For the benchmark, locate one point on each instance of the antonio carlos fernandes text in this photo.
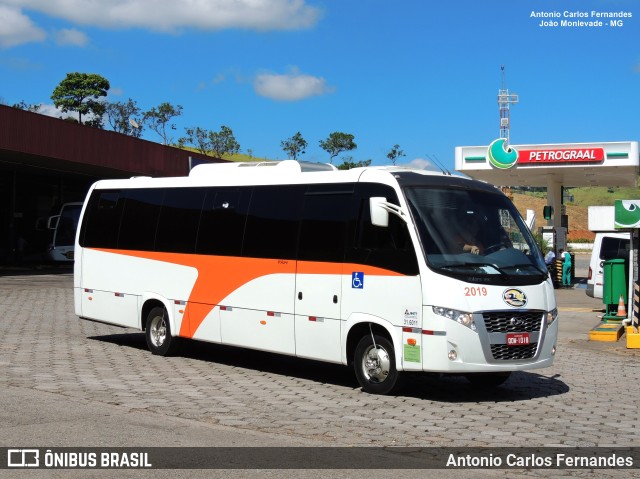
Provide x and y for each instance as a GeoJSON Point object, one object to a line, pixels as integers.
{"type": "Point", "coordinates": [532, 460]}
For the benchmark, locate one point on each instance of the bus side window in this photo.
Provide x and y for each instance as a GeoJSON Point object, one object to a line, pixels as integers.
{"type": "Point", "coordinates": [324, 223]}
{"type": "Point", "coordinates": [223, 221]}
{"type": "Point", "coordinates": [179, 220]}
{"type": "Point", "coordinates": [385, 247]}
{"type": "Point", "coordinates": [140, 219]}
{"type": "Point", "coordinates": [101, 223]}
{"type": "Point", "coordinates": [272, 222]}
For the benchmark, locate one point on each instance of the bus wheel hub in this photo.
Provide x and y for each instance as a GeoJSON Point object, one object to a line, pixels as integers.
{"type": "Point", "coordinates": [377, 364]}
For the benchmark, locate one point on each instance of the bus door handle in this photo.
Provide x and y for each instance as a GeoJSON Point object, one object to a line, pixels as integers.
{"type": "Point", "coordinates": [335, 297]}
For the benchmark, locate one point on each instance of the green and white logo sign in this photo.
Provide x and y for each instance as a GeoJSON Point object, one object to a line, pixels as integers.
{"type": "Point", "coordinates": [501, 157]}
{"type": "Point", "coordinates": [627, 214]}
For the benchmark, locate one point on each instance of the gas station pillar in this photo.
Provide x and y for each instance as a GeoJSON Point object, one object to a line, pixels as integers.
{"type": "Point", "coordinates": [554, 199]}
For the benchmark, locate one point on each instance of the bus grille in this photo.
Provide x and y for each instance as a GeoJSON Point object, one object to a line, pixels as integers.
{"type": "Point", "coordinates": [516, 321]}
{"type": "Point", "coordinates": [502, 352]}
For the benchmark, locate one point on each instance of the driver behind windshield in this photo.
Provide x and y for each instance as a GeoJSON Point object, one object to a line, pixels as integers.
{"type": "Point", "coordinates": [477, 235]}
{"type": "Point", "coordinates": [467, 240]}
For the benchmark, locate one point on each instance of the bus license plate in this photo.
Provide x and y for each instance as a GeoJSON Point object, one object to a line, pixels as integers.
{"type": "Point", "coordinates": [517, 339]}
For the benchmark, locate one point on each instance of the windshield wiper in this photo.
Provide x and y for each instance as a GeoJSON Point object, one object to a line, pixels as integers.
{"type": "Point", "coordinates": [473, 265]}
{"type": "Point", "coordinates": [530, 265]}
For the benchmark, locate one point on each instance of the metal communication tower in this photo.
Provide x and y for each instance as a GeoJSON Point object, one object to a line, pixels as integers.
{"type": "Point", "coordinates": [505, 100]}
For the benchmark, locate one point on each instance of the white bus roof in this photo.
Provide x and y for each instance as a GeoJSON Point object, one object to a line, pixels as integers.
{"type": "Point", "coordinates": [275, 172]}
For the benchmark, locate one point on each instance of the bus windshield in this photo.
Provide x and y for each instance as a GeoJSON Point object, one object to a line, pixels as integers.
{"type": "Point", "coordinates": [476, 236]}
{"type": "Point", "coordinates": [65, 231]}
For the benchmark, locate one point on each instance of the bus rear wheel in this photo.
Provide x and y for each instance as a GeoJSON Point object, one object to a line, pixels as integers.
{"type": "Point", "coordinates": [158, 332]}
{"type": "Point", "coordinates": [375, 365]}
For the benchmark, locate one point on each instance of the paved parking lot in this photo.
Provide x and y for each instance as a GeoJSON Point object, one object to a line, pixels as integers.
{"type": "Point", "coordinates": [238, 397]}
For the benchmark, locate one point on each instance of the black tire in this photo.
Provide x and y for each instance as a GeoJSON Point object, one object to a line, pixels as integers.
{"type": "Point", "coordinates": [487, 380]}
{"type": "Point", "coordinates": [375, 367]}
{"type": "Point", "coordinates": [158, 332]}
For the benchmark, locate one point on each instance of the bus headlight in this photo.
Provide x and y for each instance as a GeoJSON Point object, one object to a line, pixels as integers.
{"type": "Point", "coordinates": [461, 317]}
{"type": "Point", "coordinates": [551, 316]}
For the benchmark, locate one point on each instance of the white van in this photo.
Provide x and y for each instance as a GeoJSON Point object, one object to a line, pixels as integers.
{"type": "Point", "coordinates": [606, 246]}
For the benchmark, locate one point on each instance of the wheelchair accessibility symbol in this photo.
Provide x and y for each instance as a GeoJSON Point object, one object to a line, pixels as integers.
{"type": "Point", "coordinates": [357, 280]}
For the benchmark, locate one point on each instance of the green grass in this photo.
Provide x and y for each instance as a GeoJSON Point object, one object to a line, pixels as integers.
{"type": "Point", "coordinates": [593, 196]}
{"type": "Point", "coordinates": [236, 157]}
{"type": "Point", "coordinates": [601, 196]}
{"type": "Point", "coordinates": [535, 194]}
{"type": "Point", "coordinates": [243, 157]}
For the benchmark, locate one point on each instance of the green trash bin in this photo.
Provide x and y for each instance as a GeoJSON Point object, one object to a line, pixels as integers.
{"type": "Point", "coordinates": [615, 284]}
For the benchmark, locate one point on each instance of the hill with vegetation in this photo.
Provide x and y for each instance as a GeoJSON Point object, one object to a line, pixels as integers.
{"type": "Point", "coordinates": [577, 201]}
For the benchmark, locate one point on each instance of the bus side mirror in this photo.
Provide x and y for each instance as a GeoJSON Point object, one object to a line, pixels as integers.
{"type": "Point", "coordinates": [52, 222]}
{"type": "Point", "coordinates": [379, 215]}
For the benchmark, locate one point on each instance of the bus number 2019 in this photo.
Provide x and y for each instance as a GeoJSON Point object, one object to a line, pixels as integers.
{"type": "Point", "coordinates": [475, 291]}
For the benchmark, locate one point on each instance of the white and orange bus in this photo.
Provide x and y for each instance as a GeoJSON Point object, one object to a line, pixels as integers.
{"type": "Point", "coordinates": [390, 270]}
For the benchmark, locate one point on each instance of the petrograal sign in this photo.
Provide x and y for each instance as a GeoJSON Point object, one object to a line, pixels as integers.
{"type": "Point", "coordinates": [565, 155]}
{"type": "Point", "coordinates": [503, 157]}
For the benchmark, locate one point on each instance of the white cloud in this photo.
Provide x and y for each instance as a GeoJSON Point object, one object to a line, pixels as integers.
{"type": "Point", "coordinates": [172, 15]}
{"type": "Point", "coordinates": [51, 110]}
{"type": "Point", "coordinates": [72, 37]}
{"type": "Point", "coordinates": [292, 86]}
{"type": "Point", "coordinates": [16, 28]}
{"type": "Point", "coordinates": [219, 78]}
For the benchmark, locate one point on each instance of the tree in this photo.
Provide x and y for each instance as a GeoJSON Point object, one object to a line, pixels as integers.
{"type": "Point", "coordinates": [125, 117]}
{"type": "Point", "coordinates": [294, 146]}
{"type": "Point", "coordinates": [81, 92]}
{"type": "Point", "coordinates": [541, 242]}
{"type": "Point", "coordinates": [395, 154]}
{"type": "Point", "coordinates": [198, 137]}
{"type": "Point", "coordinates": [223, 142]}
{"type": "Point", "coordinates": [24, 106]}
{"type": "Point", "coordinates": [210, 142]}
{"type": "Point", "coordinates": [158, 120]}
{"type": "Point", "coordinates": [349, 163]}
{"type": "Point", "coordinates": [337, 143]}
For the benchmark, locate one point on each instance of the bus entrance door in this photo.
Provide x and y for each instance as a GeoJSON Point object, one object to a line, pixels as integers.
{"type": "Point", "coordinates": [317, 317]}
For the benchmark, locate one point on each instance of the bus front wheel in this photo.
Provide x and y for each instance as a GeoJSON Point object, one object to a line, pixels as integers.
{"type": "Point", "coordinates": [158, 332]}
{"type": "Point", "coordinates": [375, 365]}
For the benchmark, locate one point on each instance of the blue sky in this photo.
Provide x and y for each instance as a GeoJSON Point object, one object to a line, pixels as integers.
{"type": "Point", "coordinates": [423, 74]}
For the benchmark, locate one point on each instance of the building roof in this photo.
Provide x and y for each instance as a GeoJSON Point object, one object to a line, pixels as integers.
{"type": "Point", "coordinates": [38, 141]}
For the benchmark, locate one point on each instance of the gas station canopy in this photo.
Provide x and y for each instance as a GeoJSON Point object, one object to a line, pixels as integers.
{"type": "Point", "coordinates": [554, 166]}
{"type": "Point", "coordinates": [575, 164]}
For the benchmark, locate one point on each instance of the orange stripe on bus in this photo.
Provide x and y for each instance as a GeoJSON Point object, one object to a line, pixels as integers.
{"type": "Point", "coordinates": [314, 267]}
{"type": "Point", "coordinates": [219, 276]}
